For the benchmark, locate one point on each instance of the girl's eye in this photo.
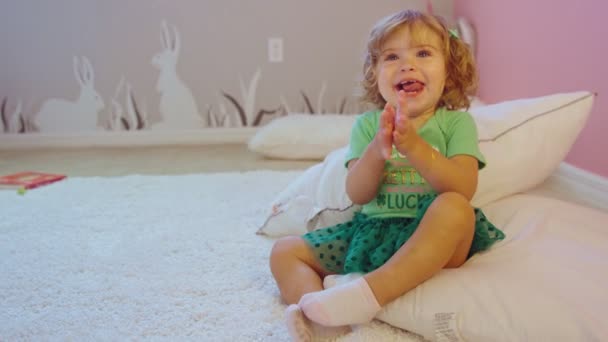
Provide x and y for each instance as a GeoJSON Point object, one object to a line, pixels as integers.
{"type": "Point", "coordinates": [423, 53]}
{"type": "Point", "coordinates": [390, 57]}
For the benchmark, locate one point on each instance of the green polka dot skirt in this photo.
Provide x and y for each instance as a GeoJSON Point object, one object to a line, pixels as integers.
{"type": "Point", "coordinates": [364, 244]}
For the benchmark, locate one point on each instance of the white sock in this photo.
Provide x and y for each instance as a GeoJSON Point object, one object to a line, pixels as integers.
{"type": "Point", "coordinates": [339, 279]}
{"type": "Point", "coordinates": [345, 304]}
{"type": "Point", "coordinates": [298, 326]}
{"type": "Point", "coordinates": [301, 329]}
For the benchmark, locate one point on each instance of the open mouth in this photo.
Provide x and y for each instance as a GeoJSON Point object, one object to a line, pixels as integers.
{"type": "Point", "coordinates": [411, 87]}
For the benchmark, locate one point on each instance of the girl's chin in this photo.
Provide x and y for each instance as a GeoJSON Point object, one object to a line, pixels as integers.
{"type": "Point", "coordinates": [410, 98]}
{"type": "Point", "coordinates": [412, 104]}
{"type": "Point", "coordinates": [415, 110]}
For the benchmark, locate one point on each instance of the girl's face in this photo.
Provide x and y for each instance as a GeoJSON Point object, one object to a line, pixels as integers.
{"type": "Point", "coordinates": [414, 65]}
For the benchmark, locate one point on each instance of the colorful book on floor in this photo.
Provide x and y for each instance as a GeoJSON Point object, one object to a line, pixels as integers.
{"type": "Point", "coordinates": [28, 180]}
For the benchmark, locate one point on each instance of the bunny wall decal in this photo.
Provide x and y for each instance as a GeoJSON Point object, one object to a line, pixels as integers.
{"type": "Point", "coordinates": [178, 107]}
{"type": "Point", "coordinates": [60, 115]}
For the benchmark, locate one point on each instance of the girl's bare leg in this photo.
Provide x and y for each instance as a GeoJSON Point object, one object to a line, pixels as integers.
{"type": "Point", "coordinates": [295, 268]}
{"type": "Point", "coordinates": [297, 272]}
{"type": "Point", "coordinates": [442, 239]}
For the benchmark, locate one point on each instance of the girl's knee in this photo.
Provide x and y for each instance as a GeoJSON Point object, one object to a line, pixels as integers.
{"type": "Point", "coordinates": [455, 206]}
{"type": "Point", "coordinates": [286, 247]}
{"type": "Point", "coordinates": [457, 214]}
{"type": "Point", "coordinates": [293, 248]}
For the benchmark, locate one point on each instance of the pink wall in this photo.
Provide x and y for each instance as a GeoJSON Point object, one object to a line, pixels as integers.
{"type": "Point", "coordinates": [534, 48]}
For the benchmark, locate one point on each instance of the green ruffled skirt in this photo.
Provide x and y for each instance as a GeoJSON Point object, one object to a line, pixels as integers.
{"type": "Point", "coordinates": [364, 244]}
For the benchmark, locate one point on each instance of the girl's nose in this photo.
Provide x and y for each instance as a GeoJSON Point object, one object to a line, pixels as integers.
{"type": "Point", "coordinates": [407, 65]}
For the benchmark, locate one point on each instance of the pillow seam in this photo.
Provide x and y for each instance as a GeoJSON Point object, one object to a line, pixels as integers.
{"type": "Point", "coordinates": [332, 209]}
{"type": "Point", "coordinates": [510, 129]}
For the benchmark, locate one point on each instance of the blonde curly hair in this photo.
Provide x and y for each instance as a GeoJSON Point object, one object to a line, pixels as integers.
{"type": "Point", "coordinates": [461, 79]}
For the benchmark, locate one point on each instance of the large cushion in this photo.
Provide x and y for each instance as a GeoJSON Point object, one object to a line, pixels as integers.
{"type": "Point", "coordinates": [545, 282]}
{"type": "Point", "coordinates": [523, 141]}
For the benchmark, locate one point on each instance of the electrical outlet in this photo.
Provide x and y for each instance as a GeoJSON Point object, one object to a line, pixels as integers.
{"type": "Point", "coordinates": [275, 50]}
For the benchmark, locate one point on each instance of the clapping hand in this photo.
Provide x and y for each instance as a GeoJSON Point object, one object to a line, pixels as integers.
{"type": "Point", "coordinates": [404, 132]}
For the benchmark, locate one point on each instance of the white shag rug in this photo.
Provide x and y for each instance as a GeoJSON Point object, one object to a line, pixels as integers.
{"type": "Point", "coordinates": [145, 258]}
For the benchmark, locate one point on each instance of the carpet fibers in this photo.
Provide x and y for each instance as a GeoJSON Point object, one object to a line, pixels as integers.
{"type": "Point", "coordinates": [145, 258]}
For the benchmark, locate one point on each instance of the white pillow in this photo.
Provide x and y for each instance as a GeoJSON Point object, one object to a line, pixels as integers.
{"type": "Point", "coordinates": [523, 141]}
{"type": "Point", "coordinates": [544, 282]}
{"type": "Point", "coordinates": [302, 136]}
{"type": "Point", "coordinates": [317, 198]}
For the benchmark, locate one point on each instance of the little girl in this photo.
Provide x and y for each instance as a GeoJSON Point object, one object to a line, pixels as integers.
{"type": "Point", "coordinates": [413, 165]}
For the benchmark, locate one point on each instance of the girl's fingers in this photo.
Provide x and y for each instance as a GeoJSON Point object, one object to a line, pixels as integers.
{"type": "Point", "coordinates": [402, 104]}
{"type": "Point", "coordinates": [387, 115]}
{"type": "Point", "coordinates": [386, 130]}
{"type": "Point", "coordinates": [387, 119]}
{"type": "Point", "coordinates": [401, 117]}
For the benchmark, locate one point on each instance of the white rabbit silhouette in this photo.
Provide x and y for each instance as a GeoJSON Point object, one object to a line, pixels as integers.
{"type": "Point", "coordinates": [59, 115]}
{"type": "Point", "coordinates": [177, 105]}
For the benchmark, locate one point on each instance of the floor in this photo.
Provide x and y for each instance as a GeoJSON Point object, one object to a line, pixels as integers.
{"type": "Point", "coordinates": [187, 159]}
{"type": "Point", "coordinates": [118, 161]}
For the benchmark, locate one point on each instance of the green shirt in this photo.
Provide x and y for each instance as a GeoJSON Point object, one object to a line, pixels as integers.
{"type": "Point", "coordinates": [449, 132]}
